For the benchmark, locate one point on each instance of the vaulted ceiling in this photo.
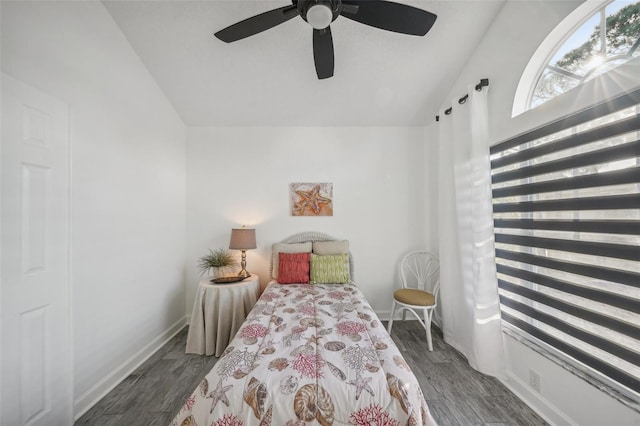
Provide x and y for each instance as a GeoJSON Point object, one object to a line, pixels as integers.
{"type": "Point", "coordinates": [381, 78]}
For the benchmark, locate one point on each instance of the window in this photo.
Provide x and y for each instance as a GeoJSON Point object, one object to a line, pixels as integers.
{"type": "Point", "coordinates": [566, 203]}
{"type": "Point", "coordinates": [597, 42]}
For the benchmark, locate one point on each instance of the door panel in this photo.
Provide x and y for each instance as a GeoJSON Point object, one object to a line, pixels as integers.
{"type": "Point", "coordinates": [34, 293]}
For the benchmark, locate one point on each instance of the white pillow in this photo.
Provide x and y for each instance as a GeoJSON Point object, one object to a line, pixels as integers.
{"type": "Point", "coordinates": [329, 248]}
{"type": "Point", "coordinates": [286, 248]}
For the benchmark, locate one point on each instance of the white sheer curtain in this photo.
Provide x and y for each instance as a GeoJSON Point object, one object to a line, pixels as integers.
{"type": "Point", "coordinates": [469, 288]}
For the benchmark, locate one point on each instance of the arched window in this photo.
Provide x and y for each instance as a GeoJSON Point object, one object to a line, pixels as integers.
{"type": "Point", "coordinates": [569, 187]}
{"type": "Point", "coordinates": [595, 38]}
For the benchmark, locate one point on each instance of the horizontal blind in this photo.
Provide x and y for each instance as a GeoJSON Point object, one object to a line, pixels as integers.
{"type": "Point", "coordinates": [566, 205]}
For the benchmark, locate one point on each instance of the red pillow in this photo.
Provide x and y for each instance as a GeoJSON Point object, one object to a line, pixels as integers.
{"type": "Point", "coordinates": [293, 268]}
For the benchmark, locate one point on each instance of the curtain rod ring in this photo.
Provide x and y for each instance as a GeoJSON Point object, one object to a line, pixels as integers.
{"type": "Point", "coordinates": [484, 82]}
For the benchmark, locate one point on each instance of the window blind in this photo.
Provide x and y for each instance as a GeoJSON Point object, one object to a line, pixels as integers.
{"type": "Point", "coordinates": [566, 204]}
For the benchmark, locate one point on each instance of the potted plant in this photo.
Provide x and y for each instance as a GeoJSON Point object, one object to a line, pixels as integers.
{"type": "Point", "coordinates": [218, 261]}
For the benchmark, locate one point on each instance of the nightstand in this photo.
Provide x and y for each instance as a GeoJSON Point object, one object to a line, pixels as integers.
{"type": "Point", "coordinates": [218, 312]}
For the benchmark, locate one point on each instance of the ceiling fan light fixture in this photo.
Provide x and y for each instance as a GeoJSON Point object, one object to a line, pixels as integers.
{"type": "Point", "coordinates": [319, 16]}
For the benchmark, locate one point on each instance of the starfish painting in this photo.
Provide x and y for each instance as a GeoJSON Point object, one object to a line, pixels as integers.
{"type": "Point", "coordinates": [361, 384]}
{"type": "Point", "coordinates": [311, 199]}
{"type": "Point", "coordinates": [219, 394]}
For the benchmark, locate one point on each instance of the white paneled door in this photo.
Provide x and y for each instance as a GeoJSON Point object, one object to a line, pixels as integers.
{"type": "Point", "coordinates": [34, 292]}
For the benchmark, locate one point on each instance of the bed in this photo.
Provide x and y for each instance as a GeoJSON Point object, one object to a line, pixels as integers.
{"type": "Point", "coordinates": [309, 354]}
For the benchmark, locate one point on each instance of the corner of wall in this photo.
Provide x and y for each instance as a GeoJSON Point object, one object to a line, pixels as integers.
{"type": "Point", "coordinates": [88, 399]}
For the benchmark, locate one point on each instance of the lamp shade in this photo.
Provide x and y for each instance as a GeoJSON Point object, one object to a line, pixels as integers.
{"type": "Point", "coordinates": [242, 239]}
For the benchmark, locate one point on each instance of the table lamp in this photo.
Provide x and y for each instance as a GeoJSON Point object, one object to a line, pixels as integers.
{"type": "Point", "coordinates": [243, 239]}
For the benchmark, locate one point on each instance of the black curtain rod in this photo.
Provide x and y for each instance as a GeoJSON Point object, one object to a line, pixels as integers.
{"type": "Point", "coordinates": [484, 82]}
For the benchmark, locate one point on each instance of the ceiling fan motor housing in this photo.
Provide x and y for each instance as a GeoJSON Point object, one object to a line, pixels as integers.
{"type": "Point", "coordinates": [319, 13]}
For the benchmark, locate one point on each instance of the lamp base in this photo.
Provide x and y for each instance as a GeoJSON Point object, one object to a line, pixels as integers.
{"type": "Point", "coordinates": [243, 265]}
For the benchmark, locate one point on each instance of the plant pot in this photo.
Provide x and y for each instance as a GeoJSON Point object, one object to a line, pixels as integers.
{"type": "Point", "coordinates": [218, 272]}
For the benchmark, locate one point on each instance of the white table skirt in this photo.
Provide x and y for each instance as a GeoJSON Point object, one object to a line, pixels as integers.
{"type": "Point", "coordinates": [218, 312]}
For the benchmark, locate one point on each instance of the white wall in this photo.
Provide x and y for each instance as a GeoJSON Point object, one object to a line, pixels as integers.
{"type": "Point", "coordinates": [128, 178]}
{"type": "Point", "coordinates": [502, 56]}
{"type": "Point", "coordinates": [128, 236]}
{"type": "Point", "coordinates": [239, 176]}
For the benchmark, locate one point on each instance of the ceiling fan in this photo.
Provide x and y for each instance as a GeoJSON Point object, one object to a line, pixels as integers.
{"type": "Point", "coordinates": [320, 14]}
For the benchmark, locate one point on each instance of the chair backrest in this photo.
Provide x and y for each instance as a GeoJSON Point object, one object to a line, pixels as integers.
{"type": "Point", "coordinates": [421, 269]}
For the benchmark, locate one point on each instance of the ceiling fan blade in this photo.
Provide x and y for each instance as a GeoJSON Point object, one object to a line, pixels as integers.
{"type": "Point", "coordinates": [389, 16]}
{"type": "Point", "coordinates": [323, 52]}
{"type": "Point", "coordinates": [257, 24]}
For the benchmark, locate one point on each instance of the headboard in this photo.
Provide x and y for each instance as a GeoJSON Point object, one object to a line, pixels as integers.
{"type": "Point", "coordinates": [303, 237]}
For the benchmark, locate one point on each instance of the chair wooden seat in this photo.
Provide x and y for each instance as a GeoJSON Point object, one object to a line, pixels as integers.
{"type": "Point", "coordinates": [420, 279]}
{"type": "Point", "coordinates": [412, 296]}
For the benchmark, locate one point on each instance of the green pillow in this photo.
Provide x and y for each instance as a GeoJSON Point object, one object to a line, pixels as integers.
{"type": "Point", "coordinates": [332, 269]}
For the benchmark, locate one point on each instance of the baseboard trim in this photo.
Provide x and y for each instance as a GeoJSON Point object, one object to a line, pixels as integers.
{"type": "Point", "coordinates": [87, 400]}
{"type": "Point", "coordinates": [385, 315]}
{"type": "Point", "coordinates": [545, 409]}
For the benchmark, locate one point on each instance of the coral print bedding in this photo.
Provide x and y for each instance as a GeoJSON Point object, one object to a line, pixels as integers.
{"type": "Point", "coordinates": [309, 355]}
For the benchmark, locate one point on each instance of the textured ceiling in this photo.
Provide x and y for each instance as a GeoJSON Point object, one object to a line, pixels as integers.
{"type": "Point", "coordinates": [381, 78]}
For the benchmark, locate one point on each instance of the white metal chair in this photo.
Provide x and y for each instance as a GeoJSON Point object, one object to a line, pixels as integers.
{"type": "Point", "coordinates": [420, 278]}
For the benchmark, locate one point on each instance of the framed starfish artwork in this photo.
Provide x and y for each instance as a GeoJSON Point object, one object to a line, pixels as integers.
{"type": "Point", "coordinates": [311, 199]}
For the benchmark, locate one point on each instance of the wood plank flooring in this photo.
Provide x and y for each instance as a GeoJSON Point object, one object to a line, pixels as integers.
{"type": "Point", "coordinates": [456, 393]}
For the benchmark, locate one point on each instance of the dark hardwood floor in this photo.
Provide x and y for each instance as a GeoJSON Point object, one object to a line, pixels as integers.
{"type": "Point", "coordinates": [455, 393]}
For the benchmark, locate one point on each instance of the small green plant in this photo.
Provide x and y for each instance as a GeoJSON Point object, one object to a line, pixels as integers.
{"type": "Point", "coordinates": [219, 258]}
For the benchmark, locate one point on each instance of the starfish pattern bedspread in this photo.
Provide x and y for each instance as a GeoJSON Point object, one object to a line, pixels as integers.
{"type": "Point", "coordinates": [308, 355]}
